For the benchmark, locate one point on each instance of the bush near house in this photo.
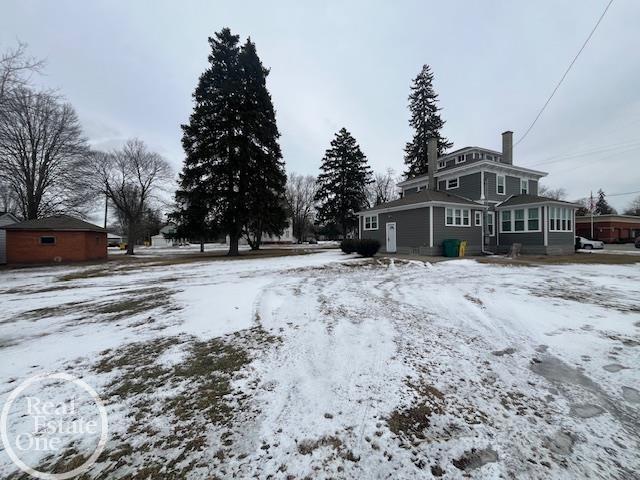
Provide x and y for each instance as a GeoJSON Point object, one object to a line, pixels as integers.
{"type": "Point", "coordinates": [367, 247]}
{"type": "Point", "coordinates": [348, 245]}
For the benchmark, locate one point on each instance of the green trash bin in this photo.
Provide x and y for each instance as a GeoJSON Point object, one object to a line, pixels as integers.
{"type": "Point", "coordinates": [451, 247]}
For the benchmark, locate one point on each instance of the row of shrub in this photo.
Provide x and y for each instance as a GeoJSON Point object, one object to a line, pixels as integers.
{"type": "Point", "coordinates": [365, 247]}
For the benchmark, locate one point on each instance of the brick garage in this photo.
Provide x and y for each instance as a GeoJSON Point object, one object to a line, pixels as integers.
{"type": "Point", "coordinates": [609, 228]}
{"type": "Point", "coordinates": [55, 240]}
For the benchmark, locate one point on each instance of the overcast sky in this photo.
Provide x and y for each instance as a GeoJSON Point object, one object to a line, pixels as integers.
{"type": "Point", "coordinates": [130, 67]}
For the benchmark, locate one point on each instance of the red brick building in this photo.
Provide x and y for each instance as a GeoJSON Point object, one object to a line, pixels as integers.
{"type": "Point", "coordinates": [609, 228]}
{"type": "Point", "coordinates": [56, 239]}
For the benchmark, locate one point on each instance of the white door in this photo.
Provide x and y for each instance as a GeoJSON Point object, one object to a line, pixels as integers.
{"type": "Point", "coordinates": [391, 237]}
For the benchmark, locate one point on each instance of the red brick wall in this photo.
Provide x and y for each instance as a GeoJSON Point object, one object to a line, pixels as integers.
{"type": "Point", "coordinates": [23, 246]}
{"type": "Point", "coordinates": [608, 231]}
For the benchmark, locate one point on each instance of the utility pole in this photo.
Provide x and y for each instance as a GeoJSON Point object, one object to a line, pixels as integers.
{"type": "Point", "coordinates": [106, 207]}
{"type": "Point", "coordinates": [591, 209]}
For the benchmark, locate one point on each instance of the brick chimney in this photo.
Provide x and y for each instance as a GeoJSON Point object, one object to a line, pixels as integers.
{"type": "Point", "coordinates": [507, 147]}
{"type": "Point", "coordinates": [432, 162]}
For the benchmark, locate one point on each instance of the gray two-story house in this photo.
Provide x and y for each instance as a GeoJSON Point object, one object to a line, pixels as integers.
{"type": "Point", "coordinates": [473, 194]}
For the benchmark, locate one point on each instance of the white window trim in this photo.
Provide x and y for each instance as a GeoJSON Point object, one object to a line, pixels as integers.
{"type": "Point", "coordinates": [441, 165]}
{"type": "Point", "coordinates": [504, 184]}
{"type": "Point", "coordinates": [464, 159]}
{"type": "Point", "coordinates": [526, 220]}
{"type": "Point", "coordinates": [477, 220]}
{"type": "Point", "coordinates": [569, 218]}
{"type": "Point", "coordinates": [364, 222]}
{"type": "Point", "coordinates": [457, 179]}
{"type": "Point", "coordinates": [493, 223]}
{"type": "Point", "coordinates": [453, 217]}
{"type": "Point", "coordinates": [524, 181]}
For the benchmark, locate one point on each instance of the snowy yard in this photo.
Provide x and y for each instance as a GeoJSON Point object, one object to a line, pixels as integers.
{"type": "Point", "coordinates": [324, 365]}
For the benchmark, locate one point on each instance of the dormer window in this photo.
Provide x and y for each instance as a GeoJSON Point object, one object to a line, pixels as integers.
{"type": "Point", "coordinates": [442, 164]}
{"type": "Point", "coordinates": [490, 157]}
{"type": "Point", "coordinates": [460, 159]}
{"type": "Point", "coordinates": [524, 186]}
{"type": "Point", "coordinates": [477, 155]}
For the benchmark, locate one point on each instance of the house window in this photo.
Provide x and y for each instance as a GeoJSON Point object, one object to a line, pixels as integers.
{"type": "Point", "coordinates": [449, 217]}
{"type": "Point", "coordinates": [371, 222]}
{"type": "Point", "coordinates": [524, 186]}
{"type": "Point", "coordinates": [442, 164]}
{"type": "Point", "coordinates": [560, 219]}
{"type": "Point", "coordinates": [518, 216]}
{"type": "Point", "coordinates": [500, 185]}
{"type": "Point", "coordinates": [490, 228]}
{"type": "Point", "coordinates": [489, 157]}
{"type": "Point", "coordinates": [477, 155]}
{"type": "Point", "coordinates": [458, 217]}
{"type": "Point", "coordinates": [478, 219]}
{"type": "Point", "coordinates": [452, 183]}
{"type": "Point", "coordinates": [533, 219]}
{"type": "Point", "coordinates": [521, 220]}
{"type": "Point", "coordinates": [47, 240]}
{"type": "Point", "coordinates": [460, 159]}
{"type": "Point", "coordinates": [506, 221]}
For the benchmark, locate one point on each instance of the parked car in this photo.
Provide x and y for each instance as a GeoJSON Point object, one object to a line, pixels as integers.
{"type": "Point", "coordinates": [637, 242]}
{"type": "Point", "coordinates": [585, 243]}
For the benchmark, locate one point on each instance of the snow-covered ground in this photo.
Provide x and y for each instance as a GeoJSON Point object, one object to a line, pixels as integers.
{"type": "Point", "coordinates": [328, 366]}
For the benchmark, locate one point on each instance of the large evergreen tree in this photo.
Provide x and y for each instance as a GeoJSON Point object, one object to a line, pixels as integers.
{"type": "Point", "coordinates": [233, 177]}
{"type": "Point", "coordinates": [426, 123]}
{"type": "Point", "coordinates": [266, 181]}
{"type": "Point", "coordinates": [342, 183]}
{"type": "Point", "coordinates": [602, 206]}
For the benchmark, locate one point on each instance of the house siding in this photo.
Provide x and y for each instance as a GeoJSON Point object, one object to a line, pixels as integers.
{"type": "Point", "coordinates": [473, 235]}
{"type": "Point", "coordinates": [4, 220]}
{"type": "Point", "coordinates": [412, 230]}
{"type": "Point", "coordinates": [469, 186]}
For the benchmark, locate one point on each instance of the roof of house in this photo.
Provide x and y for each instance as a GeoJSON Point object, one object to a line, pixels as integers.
{"type": "Point", "coordinates": [425, 196]}
{"type": "Point", "coordinates": [526, 199]}
{"type": "Point", "coordinates": [56, 223]}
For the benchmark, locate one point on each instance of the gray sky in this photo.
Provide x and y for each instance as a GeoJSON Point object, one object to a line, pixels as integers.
{"type": "Point", "coordinates": [129, 68]}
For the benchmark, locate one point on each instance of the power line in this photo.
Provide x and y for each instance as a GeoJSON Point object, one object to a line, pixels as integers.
{"type": "Point", "coordinates": [565, 73]}
{"type": "Point", "coordinates": [621, 194]}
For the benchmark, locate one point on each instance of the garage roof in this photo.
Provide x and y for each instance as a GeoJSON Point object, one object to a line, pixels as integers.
{"type": "Point", "coordinates": [61, 223]}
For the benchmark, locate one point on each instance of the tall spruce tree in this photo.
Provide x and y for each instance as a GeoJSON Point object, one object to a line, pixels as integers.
{"type": "Point", "coordinates": [426, 123]}
{"type": "Point", "coordinates": [266, 182]}
{"type": "Point", "coordinates": [602, 206]}
{"type": "Point", "coordinates": [342, 183]}
{"type": "Point", "coordinates": [233, 166]}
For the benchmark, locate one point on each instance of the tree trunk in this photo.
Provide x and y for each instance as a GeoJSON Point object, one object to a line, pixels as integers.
{"type": "Point", "coordinates": [233, 245]}
{"type": "Point", "coordinates": [201, 246]}
{"type": "Point", "coordinates": [131, 238]}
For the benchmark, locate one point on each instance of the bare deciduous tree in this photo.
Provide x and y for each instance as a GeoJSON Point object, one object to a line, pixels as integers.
{"type": "Point", "coordinates": [634, 207]}
{"type": "Point", "coordinates": [131, 178]}
{"type": "Point", "coordinates": [42, 149]}
{"type": "Point", "coordinates": [383, 188]}
{"type": "Point", "coordinates": [555, 193]}
{"type": "Point", "coordinates": [16, 68]}
{"type": "Point", "coordinates": [300, 193]}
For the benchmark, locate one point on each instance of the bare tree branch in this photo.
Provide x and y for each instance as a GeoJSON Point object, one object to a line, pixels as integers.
{"type": "Point", "coordinates": [42, 151]}
{"type": "Point", "coordinates": [300, 193]}
{"type": "Point", "coordinates": [132, 179]}
{"type": "Point", "coordinates": [16, 69]}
